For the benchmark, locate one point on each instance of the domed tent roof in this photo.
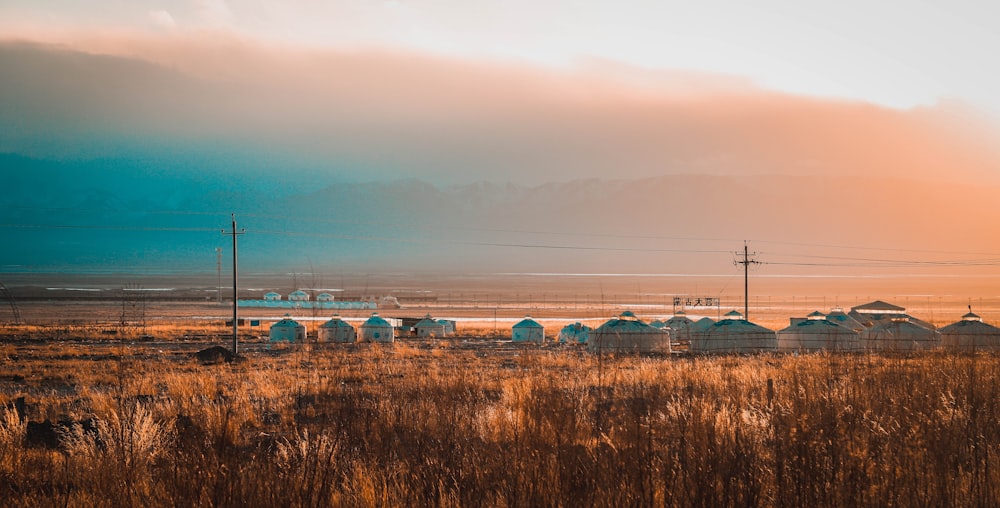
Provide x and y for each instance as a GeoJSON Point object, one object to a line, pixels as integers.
{"type": "Point", "coordinates": [656, 323]}
{"type": "Point", "coordinates": [287, 330]}
{"type": "Point", "coordinates": [428, 327]}
{"type": "Point", "coordinates": [971, 334]}
{"type": "Point", "coordinates": [336, 330]}
{"type": "Point", "coordinates": [816, 333]}
{"type": "Point", "coordinates": [627, 333]}
{"type": "Point", "coordinates": [839, 317]}
{"type": "Point", "coordinates": [575, 332]}
{"type": "Point", "coordinates": [679, 321]}
{"type": "Point", "coordinates": [528, 330]}
{"type": "Point", "coordinates": [878, 311]}
{"type": "Point", "coordinates": [900, 334]}
{"type": "Point", "coordinates": [376, 329]}
{"type": "Point", "coordinates": [702, 324]}
{"type": "Point", "coordinates": [734, 334]}
{"type": "Point", "coordinates": [680, 326]}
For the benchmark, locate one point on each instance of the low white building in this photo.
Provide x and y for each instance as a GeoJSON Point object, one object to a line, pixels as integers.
{"type": "Point", "coordinates": [429, 327]}
{"type": "Point", "coordinates": [298, 296]}
{"type": "Point", "coordinates": [287, 330]}
{"type": "Point", "coordinates": [336, 330]}
{"type": "Point", "coordinates": [528, 330]}
{"type": "Point", "coordinates": [376, 329]}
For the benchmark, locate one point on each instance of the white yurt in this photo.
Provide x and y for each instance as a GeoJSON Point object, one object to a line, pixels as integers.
{"type": "Point", "coordinates": [429, 327]}
{"type": "Point", "coordinates": [733, 334]}
{"type": "Point", "coordinates": [702, 325]}
{"type": "Point", "coordinates": [680, 326]}
{"type": "Point", "coordinates": [837, 316]}
{"type": "Point", "coordinates": [298, 296]}
{"type": "Point", "coordinates": [628, 334]}
{"type": "Point", "coordinates": [376, 329]}
{"type": "Point", "coordinates": [287, 330]}
{"type": "Point", "coordinates": [272, 296]}
{"type": "Point", "coordinates": [528, 330]}
{"type": "Point", "coordinates": [816, 333]}
{"type": "Point", "coordinates": [336, 330]}
{"type": "Point", "coordinates": [577, 333]}
{"type": "Point", "coordinates": [449, 326]}
{"type": "Point", "coordinates": [900, 334]}
{"type": "Point", "coordinates": [971, 334]}
{"type": "Point", "coordinates": [324, 297]}
{"type": "Point", "coordinates": [697, 328]}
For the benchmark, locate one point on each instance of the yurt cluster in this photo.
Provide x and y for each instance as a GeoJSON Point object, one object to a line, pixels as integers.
{"type": "Point", "coordinates": [875, 326]}
{"type": "Point", "coordinates": [373, 329]}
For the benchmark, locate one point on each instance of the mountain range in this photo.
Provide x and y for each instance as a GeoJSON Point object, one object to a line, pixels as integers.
{"type": "Point", "coordinates": [123, 215]}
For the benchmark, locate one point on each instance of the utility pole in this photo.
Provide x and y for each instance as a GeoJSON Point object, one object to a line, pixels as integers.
{"type": "Point", "coordinates": [749, 258]}
{"type": "Point", "coordinates": [218, 272]}
{"type": "Point", "coordinates": [234, 233]}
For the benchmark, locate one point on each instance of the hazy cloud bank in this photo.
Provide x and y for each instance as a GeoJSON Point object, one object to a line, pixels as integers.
{"type": "Point", "coordinates": [380, 114]}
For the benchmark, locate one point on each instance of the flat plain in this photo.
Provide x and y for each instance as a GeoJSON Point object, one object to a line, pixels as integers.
{"type": "Point", "coordinates": [101, 412]}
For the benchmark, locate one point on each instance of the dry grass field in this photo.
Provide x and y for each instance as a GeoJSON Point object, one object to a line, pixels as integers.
{"type": "Point", "coordinates": [100, 408]}
{"type": "Point", "coordinates": [478, 422]}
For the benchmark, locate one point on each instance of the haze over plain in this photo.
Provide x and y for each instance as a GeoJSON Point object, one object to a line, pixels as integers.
{"type": "Point", "coordinates": [128, 140]}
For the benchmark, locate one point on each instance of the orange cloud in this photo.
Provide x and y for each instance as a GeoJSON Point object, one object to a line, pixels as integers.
{"type": "Point", "coordinates": [401, 113]}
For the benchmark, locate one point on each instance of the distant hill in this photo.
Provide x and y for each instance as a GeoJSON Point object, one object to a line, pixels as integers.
{"type": "Point", "coordinates": [118, 216]}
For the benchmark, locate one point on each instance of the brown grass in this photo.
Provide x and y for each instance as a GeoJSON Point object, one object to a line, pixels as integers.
{"type": "Point", "coordinates": [434, 423]}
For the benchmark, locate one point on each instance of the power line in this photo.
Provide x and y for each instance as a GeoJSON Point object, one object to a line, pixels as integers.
{"type": "Point", "coordinates": [835, 261]}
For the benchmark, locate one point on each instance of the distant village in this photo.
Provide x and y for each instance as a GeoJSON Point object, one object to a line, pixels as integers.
{"type": "Point", "coordinates": [874, 326]}
{"type": "Point", "coordinates": [301, 300]}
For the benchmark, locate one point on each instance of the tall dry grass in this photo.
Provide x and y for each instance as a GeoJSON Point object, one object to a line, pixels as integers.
{"type": "Point", "coordinates": [405, 425]}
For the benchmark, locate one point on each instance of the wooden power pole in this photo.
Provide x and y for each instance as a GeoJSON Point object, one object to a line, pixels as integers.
{"type": "Point", "coordinates": [749, 258]}
{"type": "Point", "coordinates": [235, 233]}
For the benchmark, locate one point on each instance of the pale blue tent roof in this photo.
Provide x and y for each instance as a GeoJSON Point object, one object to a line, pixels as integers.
{"type": "Point", "coordinates": [702, 324]}
{"type": "Point", "coordinates": [286, 322]}
{"type": "Point", "coordinates": [970, 324]}
{"type": "Point", "coordinates": [428, 321]}
{"type": "Point", "coordinates": [527, 322]}
{"type": "Point", "coordinates": [838, 316]}
{"type": "Point", "coordinates": [816, 326]}
{"type": "Point", "coordinates": [679, 321]}
{"type": "Point", "coordinates": [733, 314]}
{"type": "Point", "coordinates": [336, 322]}
{"type": "Point", "coordinates": [628, 333]}
{"type": "Point", "coordinates": [375, 320]}
{"type": "Point", "coordinates": [971, 333]}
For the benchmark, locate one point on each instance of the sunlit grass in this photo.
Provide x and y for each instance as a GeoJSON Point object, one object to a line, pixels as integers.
{"type": "Point", "coordinates": [430, 423]}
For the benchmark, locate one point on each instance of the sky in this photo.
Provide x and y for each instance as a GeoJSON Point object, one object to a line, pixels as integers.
{"type": "Point", "coordinates": [895, 53]}
{"type": "Point", "coordinates": [155, 109]}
